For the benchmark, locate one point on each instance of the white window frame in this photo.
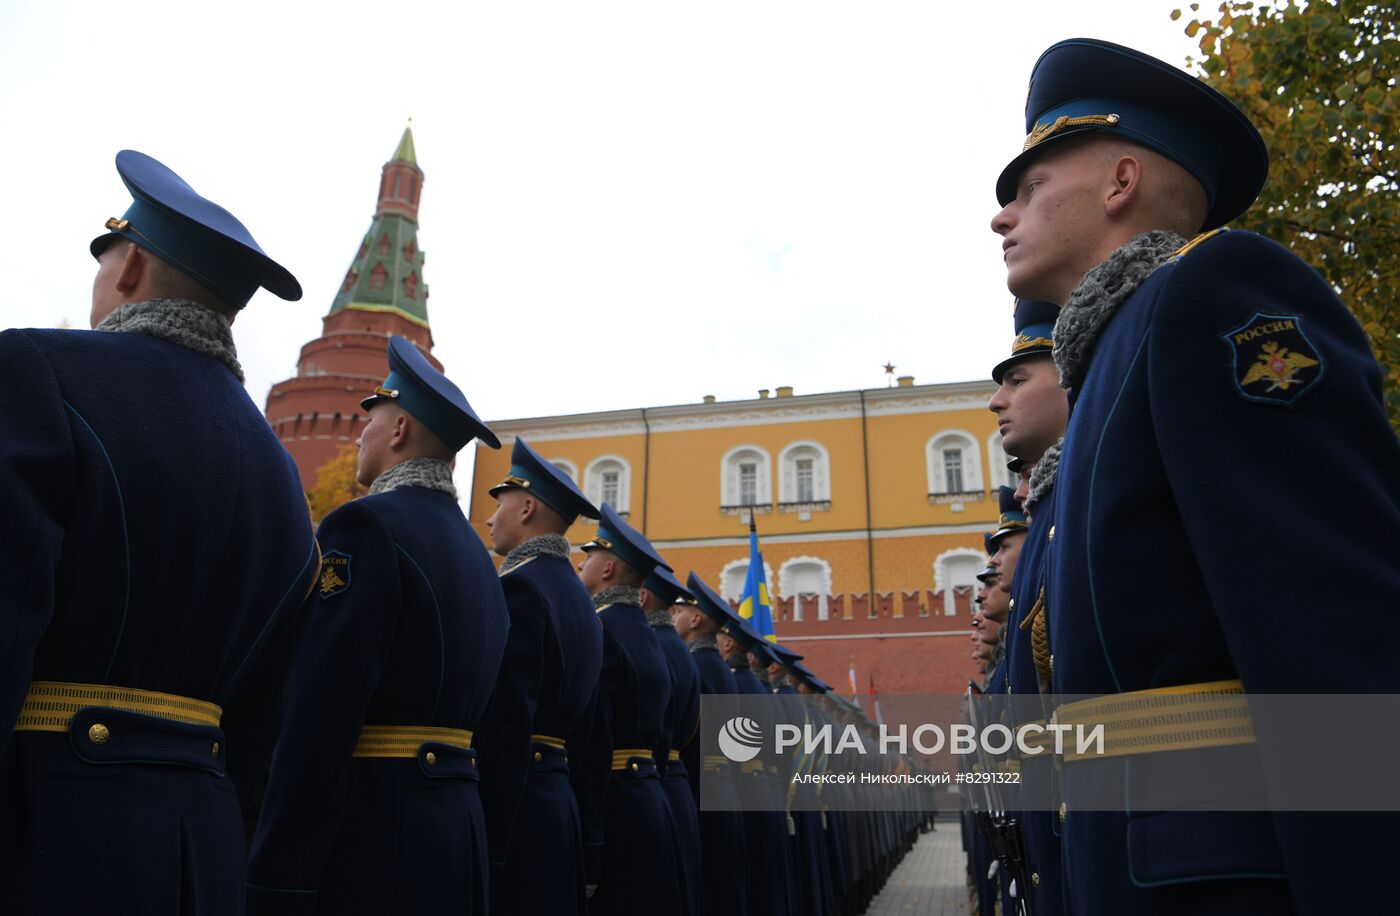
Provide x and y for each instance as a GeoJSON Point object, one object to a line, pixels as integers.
{"type": "Point", "coordinates": [821, 471]}
{"type": "Point", "coordinates": [971, 461]}
{"type": "Point", "coordinates": [729, 475]}
{"type": "Point", "coordinates": [996, 461]}
{"type": "Point", "coordinates": [942, 573]}
{"type": "Point", "coordinates": [593, 479]}
{"type": "Point", "coordinates": [786, 590]}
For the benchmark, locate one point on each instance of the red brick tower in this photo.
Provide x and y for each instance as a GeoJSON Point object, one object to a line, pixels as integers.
{"type": "Point", "coordinates": [383, 293]}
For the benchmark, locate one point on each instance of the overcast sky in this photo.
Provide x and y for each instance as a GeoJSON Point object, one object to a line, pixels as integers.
{"type": "Point", "coordinates": [625, 204]}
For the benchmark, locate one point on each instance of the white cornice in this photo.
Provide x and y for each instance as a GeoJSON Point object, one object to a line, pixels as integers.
{"type": "Point", "coordinates": [835, 405]}
{"type": "Point", "coordinates": [857, 534]}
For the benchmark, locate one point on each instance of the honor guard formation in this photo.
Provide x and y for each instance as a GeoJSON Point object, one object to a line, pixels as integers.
{"type": "Point", "coordinates": [208, 707]}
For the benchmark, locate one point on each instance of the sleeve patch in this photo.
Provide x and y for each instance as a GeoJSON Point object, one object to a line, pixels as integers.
{"type": "Point", "coordinates": [335, 573]}
{"type": "Point", "coordinates": [1274, 362]}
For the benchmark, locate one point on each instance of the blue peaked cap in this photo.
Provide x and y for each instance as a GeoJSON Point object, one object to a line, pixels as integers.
{"type": "Point", "coordinates": [717, 609]}
{"type": "Point", "coordinates": [1035, 333]}
{"type": "Point", "coordinates": [1013, 517]}
{"type": "Point", "coordinates": [1084, 84]}
{"type": "Point", "coordinates": [625, 542]}
{"type": "Point", "coordinates": [784, 656]}
{"type": "Point", "coordinates": [430, 397]}
{"type": "Point", "coordinates": [197, 236]}
{"type": "Point", "coordinates": [528, 471]}
{"type": "Point", "coordinates": [667, 587]}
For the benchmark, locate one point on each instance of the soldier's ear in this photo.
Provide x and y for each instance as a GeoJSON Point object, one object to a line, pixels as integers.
{"type": "Point", "coordinates": [528, 508]}
{"type": "Point", "coordinates": [135, 266]}
{"type": "Point", "coordinates": [399, 434]}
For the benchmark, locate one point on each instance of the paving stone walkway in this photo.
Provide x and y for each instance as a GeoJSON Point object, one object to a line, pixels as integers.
{"type": "Point", "coordinates": [929, 880]}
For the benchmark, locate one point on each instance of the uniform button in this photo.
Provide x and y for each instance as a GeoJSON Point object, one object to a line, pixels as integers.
{"type": "Point", "coordinates": [538, 756]}
{"type": "Point", "coordinates": [1035, 879]}
{"type": "Point", "coordinates": [634, 766]}
{"type": "Point", "coordinates": [1063, 811]}
{"type": "Point", "coordinates": [98, 733]}
{"type": "Point", "coordinates": [215, 749]}
{"type": "Point", "coordinates": [430, 757]}
{"type": "Point", "coordinates": [1051, 535]}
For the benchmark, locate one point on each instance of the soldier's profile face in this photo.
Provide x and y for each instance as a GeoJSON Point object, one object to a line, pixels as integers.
{"type": "Point", "coordinates": [504, 523]}
{"type": "Point", "coordinates": [1032, 409]}
{"type": "Point", "coordinates": [1008, 552]}
{"type": "Point", "coordinates": [374, 444]}
{"type": "Point", "coordinates": [1052, 230]}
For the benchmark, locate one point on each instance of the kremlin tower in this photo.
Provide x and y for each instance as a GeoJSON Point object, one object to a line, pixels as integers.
{"type": "Point", "coordinates": [383, 293]}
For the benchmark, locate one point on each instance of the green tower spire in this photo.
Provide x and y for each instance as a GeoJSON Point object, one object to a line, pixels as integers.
{"type": "Point", "coordinates": [387, 272]}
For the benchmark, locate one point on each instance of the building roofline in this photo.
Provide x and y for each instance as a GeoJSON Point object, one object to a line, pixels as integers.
{"type": "Point", "coordinates": [874, 396]}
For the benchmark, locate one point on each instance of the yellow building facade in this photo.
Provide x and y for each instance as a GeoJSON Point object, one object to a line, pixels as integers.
{"type": "Point", "coordinates": [869, 504]}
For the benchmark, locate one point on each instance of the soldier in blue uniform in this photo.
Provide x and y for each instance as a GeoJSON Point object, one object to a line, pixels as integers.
{"type": "Point", "coordinates": [542, 709]}
{"type": "Point", "coordinates": [1209, 382]}
{"type": "Point", "coordinates": [372, 805]}
{"type": "Point", "coordinates": [809, 842]}
{"type": "Point", "coordinates": [629, 838]}
{"type": "Point", "coordinates": [1032, 410]}
{"type": "Point", "coordinates": [722, 834]}
{"type": "Point", "coordinates": [678, 754]}
{"type": "Point", "coordinates": [771, 885]}
{"type": "Point", "coordinates": [159, 551]}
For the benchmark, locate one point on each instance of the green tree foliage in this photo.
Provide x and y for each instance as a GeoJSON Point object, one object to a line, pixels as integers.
{"type": "Point", "coordinates": [335, 484]}
{"type": "Point", "coordinates": [1319, 82]}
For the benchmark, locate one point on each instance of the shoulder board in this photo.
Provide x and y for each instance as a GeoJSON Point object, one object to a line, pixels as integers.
{"type": "Point", "coordinates": [604, 608]}
{"type": "Point", "coordinates": [1199, 240]}
{"type": "Point", "coordinates": [525, 562]}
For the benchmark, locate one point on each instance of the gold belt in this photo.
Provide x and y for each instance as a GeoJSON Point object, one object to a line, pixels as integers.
{"type": "Point", "coordinates": [622, 759]}
{"type": "Point", "coordinates": [548, 741]}
{"type": "Point", "coordinates": [674, 755]}
{"type": "Point", "coordinates": [50, 705]}
{"type": "Point", "coordinates": [715, 761]}
{"type": "Point", "coordinates": [404, 740]}
{"type": "Point", "coordinates": [1186, 717]}
{"type": "Point", "coordinates": [751, 766]}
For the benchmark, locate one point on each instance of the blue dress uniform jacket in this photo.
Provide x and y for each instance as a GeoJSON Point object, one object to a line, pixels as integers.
{"type": "Point", "coordinates": [809, 843]}
{"type": "Point", "coordinates": [1040, 826]}
{"type": "Point", "coordinates": [772, 872]}
{"type": "Point", "coordinates": [408, 627]}
{"type": "Point", "coordinates": [159, 540]}
{"type": "Point", "coordinates": [722, 832]}
{"type": "Point", "coordinates": [678, 760]}
{"type": "Point", "coordinates": [1207, 520]}
{"type": "Point", "coordinates": [546, 687]}
{"type": "Point", "coordinates": [629, 840]}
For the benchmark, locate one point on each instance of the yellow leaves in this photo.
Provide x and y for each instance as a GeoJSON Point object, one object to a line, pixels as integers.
{"type": "Point", "coordinates": [335, 483]}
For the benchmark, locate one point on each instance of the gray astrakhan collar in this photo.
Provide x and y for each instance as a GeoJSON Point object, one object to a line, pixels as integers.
{"type": "Point", "coordinates": [737, 661]}
{"type": "Point", "coordinates": [617, 594]}
{"type": "Point", "coordinates": [542, 545]}
{"type": "Point", "coordinates": [181, 322]}
{"type": "Point", "coordinates": [1098, 296]}
{"type": "Point", "coordinates": [707, 641]}
{"type": "Point", "coordinates": [1043, 474]}
{"type": "Point", "coordinates": [430, 473]}
{"type": "Point", "coordinates": [659, 619]}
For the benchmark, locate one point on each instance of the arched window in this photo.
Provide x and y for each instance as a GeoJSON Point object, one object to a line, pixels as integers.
{"type": "Point", "coordinates": [804, 480]}
{"type": "Point", "coordinates": [805, 579]}
{"type": "Point", "coordinates": [735, 574]}
{"type": "Point", "coordinates": [377, 277]}
{"type": "Point", "coordinates": [954, 468]}
{"type": "Point", "coordinates": [567, 466]}
{"type": "Point", "coordinates": [746, 478]}
{"type": "Point", "coordinates": [996, 463]}
{"type": "Point", "coordinates": [609, 480]}
{"type": "Point", "coordinates": [956, 570]}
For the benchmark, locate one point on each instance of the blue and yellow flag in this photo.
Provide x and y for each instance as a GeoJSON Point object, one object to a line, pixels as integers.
{"type": "Point", "coordinates": [754, 606]}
